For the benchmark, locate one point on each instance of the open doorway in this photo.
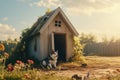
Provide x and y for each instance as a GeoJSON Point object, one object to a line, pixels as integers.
{"type": "Point", "coordinates": [60, 45]}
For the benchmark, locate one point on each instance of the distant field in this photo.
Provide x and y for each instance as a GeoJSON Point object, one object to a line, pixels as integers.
{"type": "Point", "coordinates": [103, 62]}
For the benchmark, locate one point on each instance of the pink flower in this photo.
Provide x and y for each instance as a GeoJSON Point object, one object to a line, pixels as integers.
{"type": "Point", "coordinates": [10, 67]}
{"type": "Point", "coordinates": [30, 61]}
{"type": "Point", "coordinates": [26, 76]}
{"type": "Point", "coordinates": [18, 62]}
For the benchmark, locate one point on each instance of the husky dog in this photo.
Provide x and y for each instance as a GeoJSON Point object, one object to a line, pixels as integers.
{"type": "Point", "coordinates": [51, 61]}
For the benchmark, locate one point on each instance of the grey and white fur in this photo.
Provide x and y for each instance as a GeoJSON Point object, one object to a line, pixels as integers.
{"type": "Point", "coordinates": [51, 60]}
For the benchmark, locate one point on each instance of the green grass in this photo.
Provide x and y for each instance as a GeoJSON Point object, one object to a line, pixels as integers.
{"type": "Point", "coordinates": [34, 74]}
{"type": "Point", "coordinates": [37, 74]}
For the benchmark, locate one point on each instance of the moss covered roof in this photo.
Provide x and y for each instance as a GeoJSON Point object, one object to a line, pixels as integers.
{"type": "Point", "coordinates": [40, 23]}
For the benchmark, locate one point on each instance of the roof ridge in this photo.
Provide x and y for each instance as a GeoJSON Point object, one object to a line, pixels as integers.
{"type": "Point", "coordinates": [41, 21]}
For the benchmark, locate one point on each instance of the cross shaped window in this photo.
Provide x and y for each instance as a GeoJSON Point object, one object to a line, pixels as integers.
{"type": "Point", "coordinates": [58, 23]}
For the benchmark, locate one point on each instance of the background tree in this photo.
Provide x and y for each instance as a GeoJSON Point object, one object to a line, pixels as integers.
{"type": "Point", "coordinates": [9, 45]}
{"type": "Point", "coordinates": [19, 52]}
{"type": "Point", "coordinates": [87, 40]}
{"type": "Point", "coordinates": [107, 47]}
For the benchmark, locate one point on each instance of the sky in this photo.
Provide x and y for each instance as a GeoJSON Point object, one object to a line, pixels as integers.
{"type": "Point", "coordinates": [99, 17]}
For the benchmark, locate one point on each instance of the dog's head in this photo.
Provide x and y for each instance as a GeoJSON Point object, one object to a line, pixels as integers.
{"type": "Point", "coordinates": [54, 55]}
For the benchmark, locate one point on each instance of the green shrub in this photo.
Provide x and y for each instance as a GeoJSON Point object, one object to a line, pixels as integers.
{"type": "Point", "coordinates": [78, 52]}
{"type": "Point", "coordinates": [13, 77]}
{"type": "Point", "coordinates": [52, 76]}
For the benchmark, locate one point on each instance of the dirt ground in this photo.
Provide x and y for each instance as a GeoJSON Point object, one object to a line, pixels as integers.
{"type": "Point", "coordinates": [97, 67]}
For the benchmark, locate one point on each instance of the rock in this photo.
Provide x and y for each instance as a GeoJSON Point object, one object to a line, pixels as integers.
{"type": "Point", "coordinates": [118, 70]}
{"type": "Point", "coordinates": [76, 77]}
{"type": "Point", "coordinates": [84, 65]}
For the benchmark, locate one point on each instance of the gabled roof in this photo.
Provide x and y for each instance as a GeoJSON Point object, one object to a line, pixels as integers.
{"type": "Point", "coordinates": [43, 22]}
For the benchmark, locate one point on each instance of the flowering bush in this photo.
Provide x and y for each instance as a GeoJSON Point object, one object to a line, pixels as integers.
{"type": "Point", "coordinates": [78, 51]}
{"type": "Point", "coordinates": [10, 67]}
{"type": "Point", "coordinates": [31, 62]}
{"type": "Point", "coordinates": [19, 65]}
{"type": "Point", "coordinates": [19, 62]}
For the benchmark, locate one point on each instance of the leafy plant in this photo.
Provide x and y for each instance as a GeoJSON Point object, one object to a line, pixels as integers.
{"type": "Point", "coordinates": [78, 51]}
{"type": "Point", "coordinates": [13, 77]}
